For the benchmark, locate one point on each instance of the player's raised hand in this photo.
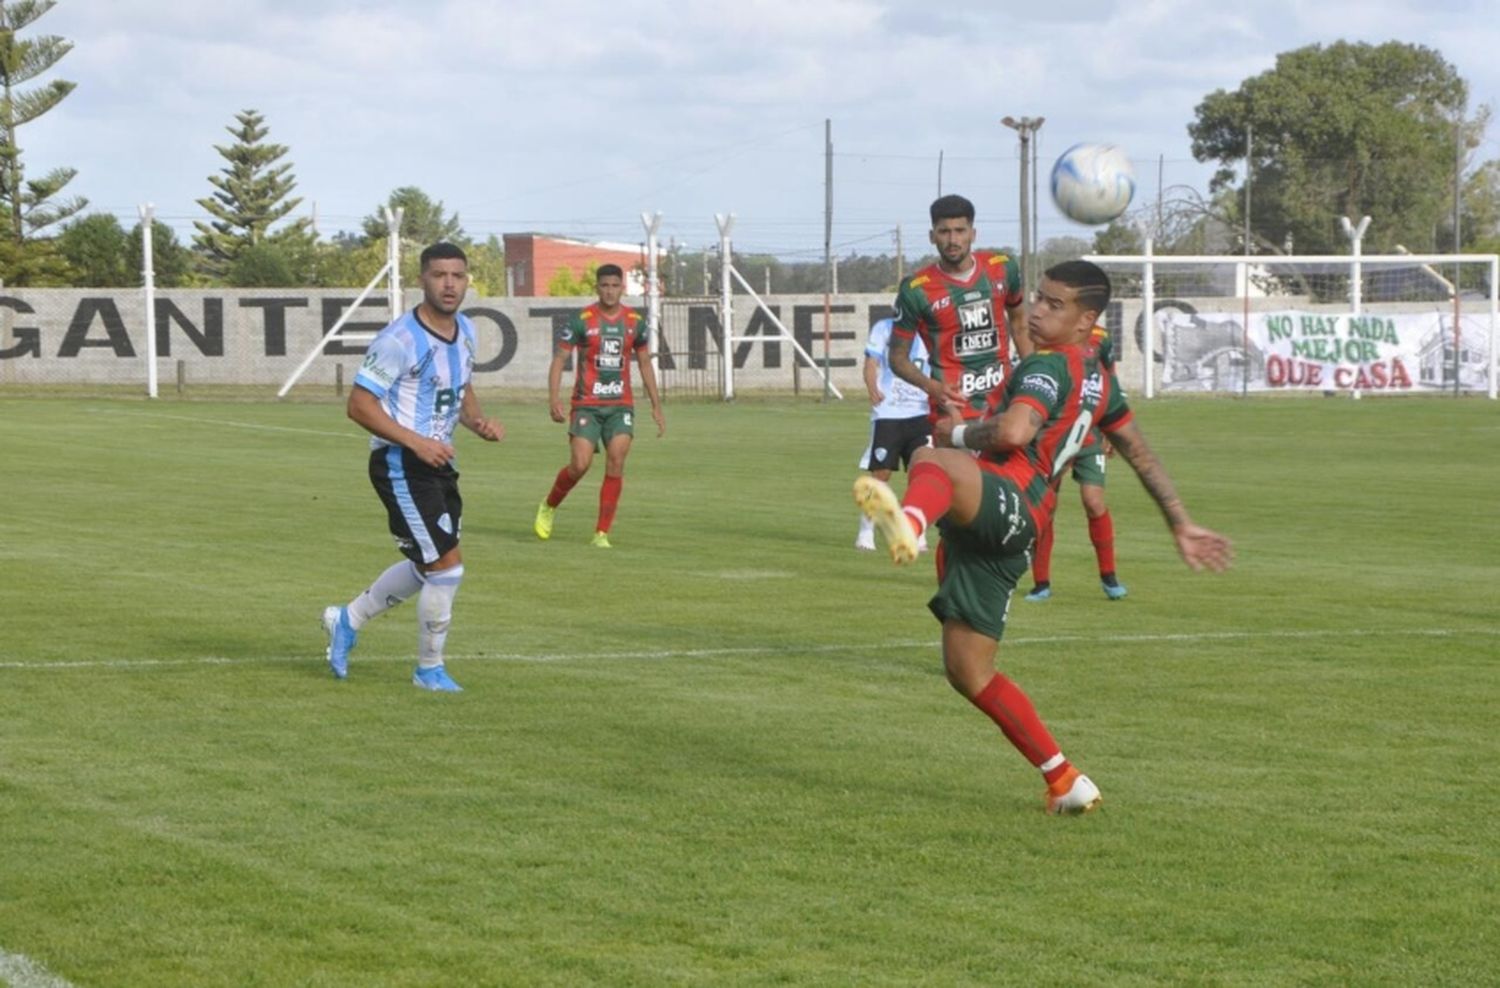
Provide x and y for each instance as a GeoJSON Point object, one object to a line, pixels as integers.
{"type": "Point", "coordinates": [1202, 548]}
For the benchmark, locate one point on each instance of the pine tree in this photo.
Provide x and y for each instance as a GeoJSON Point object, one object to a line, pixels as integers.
{"type": "Point", "coordinates": [27, 207]}
{"type": "Point", "coordinates": [251, 196]}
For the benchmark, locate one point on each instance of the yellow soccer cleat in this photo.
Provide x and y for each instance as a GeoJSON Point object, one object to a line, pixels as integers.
{"type": "Point", "coordinates": [543, 524]}
{"type": "Point", "coordinates": [880, 505]}
{"type": "Point", "coordinates": [600, 541]}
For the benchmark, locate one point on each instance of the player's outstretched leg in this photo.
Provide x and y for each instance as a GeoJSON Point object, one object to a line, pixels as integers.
{"type": "Point", "coordinates": [880, 505]}
{"type": "Point", "coordinates": [341, 639]}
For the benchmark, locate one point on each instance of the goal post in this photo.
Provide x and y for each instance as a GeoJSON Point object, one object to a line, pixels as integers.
{"type": "Point", "coordinates": [1371, 324]}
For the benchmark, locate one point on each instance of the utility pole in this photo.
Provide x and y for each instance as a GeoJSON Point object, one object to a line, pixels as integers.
{"type": "Point", "coordinates": [900, 258]}
{"type": "Point", "coordinates": [1025, 128]}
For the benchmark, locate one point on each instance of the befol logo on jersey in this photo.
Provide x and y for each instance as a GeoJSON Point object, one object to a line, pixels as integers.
{"type": "Point", "coordinates": [988, 380]}
{"type": "Point", "coordinates": [609, 389]}
{"type": "Point", "coordinates": [1093, 388]}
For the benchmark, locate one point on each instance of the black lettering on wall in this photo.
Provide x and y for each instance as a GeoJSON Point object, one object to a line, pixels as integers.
{"type": "Point", "coordinates": [273, 320]}
{"type": "Point", "coordinates": [77, 337]}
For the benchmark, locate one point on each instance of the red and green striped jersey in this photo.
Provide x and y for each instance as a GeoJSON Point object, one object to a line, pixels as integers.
{"type": "Point", "coordinates": [1074, 391]}
{"type": "Point", "coordinates": [964, 326]}
{"type": "Point", "coordinates": [603, 346]}
{"type": "Point", "coordinates": [1101, 344]}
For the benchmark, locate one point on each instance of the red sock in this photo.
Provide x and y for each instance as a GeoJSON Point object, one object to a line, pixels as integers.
{"type": "Point", "coordinates": [1102, 534]}
{"type": "Point", "coordinates": [929, 489]}
{"type": "Point", "coordinates": [1011, 710]}
{"type": "Point", "coordinates": [1041, 559]}
{"type": "Point", "coordinates": [609, 500]}
{"type": "Point", "coordinates": [560, 487]}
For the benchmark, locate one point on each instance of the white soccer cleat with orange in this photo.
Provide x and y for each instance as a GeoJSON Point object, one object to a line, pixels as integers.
{"type": "Point", "coordinates": [1072, 794]}
{"type": "Point", "coordinates": [880, 505]}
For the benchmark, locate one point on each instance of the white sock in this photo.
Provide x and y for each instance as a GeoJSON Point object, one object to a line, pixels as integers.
{"type": "Point", "coordinates": [434, 613]}
{"type": "Point", "coordinates": [389, 589]}
{"type": "Point", "coordinates": [866, 525]}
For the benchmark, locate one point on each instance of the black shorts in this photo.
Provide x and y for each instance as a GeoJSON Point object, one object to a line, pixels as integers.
{"type": "Point", "coordinates": [894, 441]}
{"type": "Point", "coordinates": [421, 502]}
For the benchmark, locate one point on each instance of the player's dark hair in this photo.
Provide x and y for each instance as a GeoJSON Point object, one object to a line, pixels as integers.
{"type": "Point", "coordinates": [1087, 278]}
{"type": "Point", "coordinates": [609, 269]}
{"type": "Point", "coordinates": [951, 208]}
{"type": "Point", "coordinates": [444, 251]}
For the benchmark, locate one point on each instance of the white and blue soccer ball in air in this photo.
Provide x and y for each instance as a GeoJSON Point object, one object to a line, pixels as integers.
{"type": "Point", "coordinates": [1093, 183]}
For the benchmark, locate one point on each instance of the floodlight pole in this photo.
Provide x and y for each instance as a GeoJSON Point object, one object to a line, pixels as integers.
{"type": "Point", "coordinates": [1026, 128]}
{"type": "Point", "coordinates": [148, 279]}
{"type": "Point", "coordinates": [1356, 234]}
{"type": "Point", "coordinates": [725, 222]}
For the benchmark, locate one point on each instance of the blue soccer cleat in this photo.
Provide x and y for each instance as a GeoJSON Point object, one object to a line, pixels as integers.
{"type": "Point", "coordinates": [1040, 592]}
{"type": "Point", "coordinates": [1113, 589]}
{"type": "Point", "coordinates": [341, 639]}
{"type": "Point", "coordinates": [435, 679]}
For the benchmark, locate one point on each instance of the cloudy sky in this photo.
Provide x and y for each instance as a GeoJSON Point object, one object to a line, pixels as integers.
{"type": "Point", "coordinates": [575, 116]}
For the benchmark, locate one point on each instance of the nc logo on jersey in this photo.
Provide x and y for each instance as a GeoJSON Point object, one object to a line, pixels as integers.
{"type": "Point", "coordinates": [610, 350]}
{"type": "Point", "coordinates": [976, 315]}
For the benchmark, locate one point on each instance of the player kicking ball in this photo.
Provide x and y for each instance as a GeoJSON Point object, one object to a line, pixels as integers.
{"type": "Point", "coordinates": [990, 507]}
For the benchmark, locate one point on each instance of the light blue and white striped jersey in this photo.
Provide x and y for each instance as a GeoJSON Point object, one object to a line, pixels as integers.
{"type": "Point", "coordinates": [418, 377]}
{"type": "Point", "coordinates": [902, 399]}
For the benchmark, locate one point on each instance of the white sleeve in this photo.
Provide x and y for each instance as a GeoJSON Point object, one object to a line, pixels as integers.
{"type": "Point", "coordinates": [382, 366]}
{"type": "Point", "coordinates": [880, 338]}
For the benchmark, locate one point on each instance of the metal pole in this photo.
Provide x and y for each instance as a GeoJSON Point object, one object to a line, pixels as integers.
{"type": "Point", "coordinates": [148, 279]}
{"type": "Point", "coordinates": [1026, 128]}
{"type": "Point", "coordinates": [1458, 172]}
{"type": "Point", "coordinates": [830, 273]}
{"type": "Point", "coordinates": [1356, 235]}
{"type": "Point", "coordinates": [1245, 273]}
{"type": "Point", "coordinates": [1494, 326]}
{"type": "Point", "coordinates": [393, 259]}
{"type": "Point", "coordinates": [725, 223]}
{"type": "Point", "coordinates": [1148, 303]}
{"type": "Point", "coordinates": [652, 223]}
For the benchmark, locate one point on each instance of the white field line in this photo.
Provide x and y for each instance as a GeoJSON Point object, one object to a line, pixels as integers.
{"type": "Point", "coordinates": [316, 653]}
{"type": "Point", "coordinates": [229, 423]}
{"type": "Point", "coordinates": [18, 971]}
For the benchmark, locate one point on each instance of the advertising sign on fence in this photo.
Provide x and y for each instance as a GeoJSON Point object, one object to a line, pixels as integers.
{"type": "Point", "coordinates": [1321, 351]}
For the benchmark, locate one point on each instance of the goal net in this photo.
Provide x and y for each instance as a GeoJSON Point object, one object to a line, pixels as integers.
{"type": "Point", "coordinates": [1376, 325]}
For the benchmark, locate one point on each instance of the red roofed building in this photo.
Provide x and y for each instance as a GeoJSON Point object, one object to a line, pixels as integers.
{"type": "Point", "coordinates": [532, 260]}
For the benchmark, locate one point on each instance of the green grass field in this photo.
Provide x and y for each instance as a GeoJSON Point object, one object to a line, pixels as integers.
{"type": "Point", "coordinates": [724, 752]}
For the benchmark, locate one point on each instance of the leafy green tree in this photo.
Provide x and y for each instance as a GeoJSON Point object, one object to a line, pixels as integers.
{"type": "Point", "coordinates": [96, 247]}
{"type": "Point", "coordinates": [29, 206]}
{"type": "Point", "coordinates": [422, 219]}
{"type": "Point", "coordinates": [34, 263]}
{"type": "Point", "coordinates": [252, 194]}
{"type": "Point", "coordinates": [566, 284]}
{"type": "Point", "coordinates": [486, 268]}
{"type": "Point", "coordinates": [172, 263]}
{"type": "Point", "coordinates": [1340, 130]}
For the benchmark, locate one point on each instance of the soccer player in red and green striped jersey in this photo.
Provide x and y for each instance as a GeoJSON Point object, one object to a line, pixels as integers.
{"type": "Point", "coordinates": [965, 307]}
{"type": "Point", "coordinates": [604, 337]}
{"type": "Point", "coordinates": [1088, 470]}
{"type": "Point", "coordinates": [990, 506]}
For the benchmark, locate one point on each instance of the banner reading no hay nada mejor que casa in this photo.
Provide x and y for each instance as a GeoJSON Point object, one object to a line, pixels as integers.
{"type": "Point", "coordinates": [1409, 352]}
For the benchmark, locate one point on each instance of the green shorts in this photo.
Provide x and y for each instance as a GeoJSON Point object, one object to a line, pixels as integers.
{"type": "Point", "coordinates": [980, 564]}
{"type": "Point", "coordinates": [1088, 468]}
{"type": "Point", "coordinates": [600, 425]}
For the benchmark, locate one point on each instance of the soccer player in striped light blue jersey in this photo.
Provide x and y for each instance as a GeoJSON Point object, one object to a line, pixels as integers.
{"type": "Point", "coordinates": [411, 392]}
